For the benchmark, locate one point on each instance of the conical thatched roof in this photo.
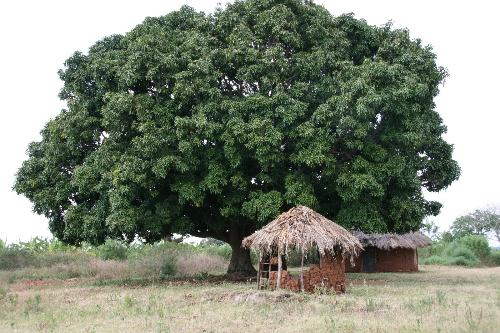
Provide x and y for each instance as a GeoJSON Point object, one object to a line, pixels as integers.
{"type": "Point", "coordinates": [303, 228]}
{"type": "Point", "coordinates": [410, 240]}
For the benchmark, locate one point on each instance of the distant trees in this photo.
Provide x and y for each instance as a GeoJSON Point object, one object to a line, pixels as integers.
{"type": "Point", "coordinates": [480, 222]}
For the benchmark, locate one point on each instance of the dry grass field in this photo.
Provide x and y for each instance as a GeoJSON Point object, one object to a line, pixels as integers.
{"type": "Point", "coordinates": [437, 299]}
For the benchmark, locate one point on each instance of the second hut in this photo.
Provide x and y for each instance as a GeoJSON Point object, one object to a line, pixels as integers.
{"type": "Point", "coordinates": [388, 252]}
{"type": "Point", "coordinates": [302, 229]}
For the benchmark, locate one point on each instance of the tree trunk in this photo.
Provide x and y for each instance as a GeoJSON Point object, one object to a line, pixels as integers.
{"type": "Point", "coordinates": [240, 258]}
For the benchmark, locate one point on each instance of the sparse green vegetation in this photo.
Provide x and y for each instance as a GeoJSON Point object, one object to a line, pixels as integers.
{"type": "Point", "coordinates": [112, 260]}
{"type": "Point", "coordinates": [437, 299]}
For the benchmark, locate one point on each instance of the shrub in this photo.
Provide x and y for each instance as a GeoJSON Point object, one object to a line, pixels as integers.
{"type": "Point", "coordinates": [460, 255]}
{"type": "Point", "coordinates": [56, 245]}
{"type": "Point", "coordinates": [477, 244]}
{"type": "Point", "coordinates": [13, 257]}
{"type": "Point", "coordinates": [168, 267]}
{"type": "Point", "coordinates": [2, 245]}
{"type": "Point", "coordinates": [112, 250]}
{"type": "Point", "coordinates": [456, 249]}
{"type": "Point", "coordinates": [436, 249]}
{"type": "Point", "coordinates": [463, 261]}
{"type": "Point", "coordinates": [435, 260]}
{"type": "Point", "coordinates": [454, 253]}
{"type": "Point", "coordinates": [35, 245]}
{"type": "Point", "coordinates": [494, 258]}
{"type": "Point", "coordinates": [223, 251]}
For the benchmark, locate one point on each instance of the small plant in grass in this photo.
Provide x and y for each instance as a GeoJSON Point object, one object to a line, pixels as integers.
{"type": "Point", "coordinates": [203, 276]}
{"type": "Point", "coordinates": [12, 299]}
{"type": "Point", "coordinates": [112, 250]}
{"type": "Point", "coordinates": [168, 267]}
{"type": "Point", "coordinates": [345, 305]}
{"type": "Point", "coordinates": [420, 305]}
{"type": "Point", "coordinates": [3, 294]}
{"type": "Point", "coordinates": [33, 304]}
{"type": "Point", "coordinates": [129, 302]}
{"type": "Point", "coordinates": [473, 320]}
{"type": "Point", "coordinates": [441, 297]}
{"type": "Point", "coordinates": [371, 305]}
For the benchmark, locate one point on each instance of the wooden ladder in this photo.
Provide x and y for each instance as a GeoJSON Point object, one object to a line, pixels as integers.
{"type": "Point", "coordinates": [263, 274]}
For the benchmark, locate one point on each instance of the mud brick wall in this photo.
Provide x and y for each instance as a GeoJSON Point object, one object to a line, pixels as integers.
{"type": "Point", "coordinates": [355, 266]}
{"type": "Point", "coordinates": [330, 274]}
{"type": "Point", "coordinates": [396, 260]}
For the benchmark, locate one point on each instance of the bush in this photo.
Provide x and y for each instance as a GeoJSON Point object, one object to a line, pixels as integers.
{"type": "Point", "coordinates": [454, 253]}
{"type": "Point", "coordinates": [461, 255]}
{"type": "Point", "coordinates": [2, 245]}
{"type": "Point", "coordinates": [112, 250]}
{"type": "Point", "coordinates": [435, 260]}
{"type": "Point", "coordinates": [35, 245]}
{"type": "Point", "coordinates": [56, 245]}
{"type": "Point", "coordinates": [13, 257]}
{"type": "Point", "coordinates": [436, 249]}
{"type": "Point", "coordinates": [462, 261]}
{"type": "Point", "coordinates": [477, 244]}
{"type": "Point", "coordinates": [223, 251]}
{"type": "Point", "coordinates": [494, 258]}
{"type": "Point", "coordinates": [168, 267]}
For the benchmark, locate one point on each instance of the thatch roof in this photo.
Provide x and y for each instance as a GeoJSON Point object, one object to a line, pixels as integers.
{"type": "Point", "coordinates": [410, 240]}
{"type": "Point", "coordinates": [302, 228]}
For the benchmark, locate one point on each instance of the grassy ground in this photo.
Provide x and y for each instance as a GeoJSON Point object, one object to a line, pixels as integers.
{"type": "Point", "coordinates": [437, 299]}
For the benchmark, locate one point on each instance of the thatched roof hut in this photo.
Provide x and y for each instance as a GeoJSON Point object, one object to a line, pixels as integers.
{"type": "Point", "coordinates": [411, 240]}
{"type": "Point", "coordinates": [388, 252]}
{"type": "Point", "coordinates": [302, 228]}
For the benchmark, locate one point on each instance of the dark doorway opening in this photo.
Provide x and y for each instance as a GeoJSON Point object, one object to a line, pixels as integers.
{"type": "Point", "coordinates": [369, 260]}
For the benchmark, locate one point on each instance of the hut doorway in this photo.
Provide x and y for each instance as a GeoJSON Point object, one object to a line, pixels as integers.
{"type": "Point", "coordinates": [369, 259]}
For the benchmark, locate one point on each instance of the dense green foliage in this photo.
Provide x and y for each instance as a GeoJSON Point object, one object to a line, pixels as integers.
{"type": "Point", "coordinates": [495, 257]}
{"type": "Point", "coordinates": [112, 249]}
{"type": "Point", "coordinates": [477, 244]}
{"type": "Point", "coordinates": [479, 222]}
{"type": "Point", "coordinates": [470, 250]}
{"type": "Point", "coordinates": [213, 124]}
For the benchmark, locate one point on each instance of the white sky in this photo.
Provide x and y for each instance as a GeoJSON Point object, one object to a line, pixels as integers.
{"type": "Point", "coordinates": [37, 36]}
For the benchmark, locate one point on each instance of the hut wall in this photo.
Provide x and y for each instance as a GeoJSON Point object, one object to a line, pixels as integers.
{"type": "Point", "coordinates": [330, 274]}
{"type": "Point", "coordinates": [396, 260]}
{"type": "Point", "coordinates": [356, 265]}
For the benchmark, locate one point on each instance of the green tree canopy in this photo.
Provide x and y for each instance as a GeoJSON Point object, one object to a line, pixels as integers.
{"type": "Point", "coordinates": [480, 222]}
{"type": "Point", "coordinates": [213, 124]}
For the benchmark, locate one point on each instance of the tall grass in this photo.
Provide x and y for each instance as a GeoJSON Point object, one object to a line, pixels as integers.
{"type": "Point", "coordinates": [41, 259]}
